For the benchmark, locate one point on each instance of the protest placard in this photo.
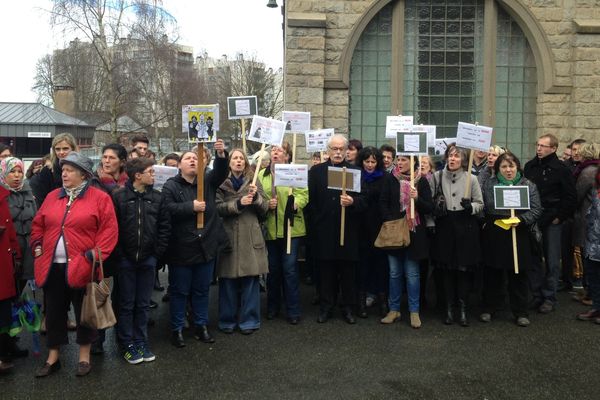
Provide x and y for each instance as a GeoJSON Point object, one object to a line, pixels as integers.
{"type": "Point", "coordinates": [291, 175]}
{"type": "Point", "coordinates": [200, 122]}
{"type": "Point", "coordinates": [241, 107]}
{"type": "Point", "coordinates": [441, 145]}
{"type": "Point", "coordinates": [162, 174]}
{"type": "Point", "coordinates": [317, 140]}
{"type": "Point", "coordinates": [266, 131]}
{"type": "Point", "coordinates": [511, 197]}
{"type": "Point", "coordinates": [474, 137]}
{"type": "Point", "coordinates": [397, 123]}
{"type": "Point", "coordinates": [411, 143]}
{"type": "Point", "coordinates": [296, 121]}
{"type": "Point", "coordinates": [431, 132]}
{"type": "Point", "coordinates": [335, 178]}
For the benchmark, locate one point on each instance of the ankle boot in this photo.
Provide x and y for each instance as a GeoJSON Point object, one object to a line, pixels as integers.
{"type": "Point", "coordinates": [384, 309]}
{"type": "Point", "coordinates": [362, 304]}
{"type": "Point", "coordinates": [463, 313]}
{"type": "Point", "coordinates": [449, 315]}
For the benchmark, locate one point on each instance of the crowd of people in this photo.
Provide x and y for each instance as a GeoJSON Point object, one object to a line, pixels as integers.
{"type": "Point", "coordinates": [62, 219]}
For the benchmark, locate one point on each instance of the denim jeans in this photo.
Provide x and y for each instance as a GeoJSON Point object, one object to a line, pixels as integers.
{"type": "Point", "coordinates": [403, 269]}
{"type": "Point", "coordinates": [592, 272]}
{"type": "Point", "coordinates": [283, 277]}
{"type": "Point", "coordinates": [137, 283]}
{"type": "Point", "coordinates": [186, 280]}
{"type": "Point", "coordinates": [239, 303]}
{"type": "Point", "coordinates": [552, 236]}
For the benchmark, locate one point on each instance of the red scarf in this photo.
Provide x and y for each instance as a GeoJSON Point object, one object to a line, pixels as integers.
{"type": "Point", "coordinates": [404, 181]}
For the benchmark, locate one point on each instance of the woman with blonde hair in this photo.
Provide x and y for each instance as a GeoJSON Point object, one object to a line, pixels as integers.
{"type": "Point", "coordinates": [494, 152]}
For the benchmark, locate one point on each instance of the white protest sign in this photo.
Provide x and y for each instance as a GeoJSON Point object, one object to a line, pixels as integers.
{"type": "Point", "coordinates": [317, 140]}
{"type": "Point", "coordinates": [441, 145]}
{"type": "Point", "coordinates": [411, 143]}
{"type": "Point", "coordinates": [511, 197]}
{"type": "Point", "coordinates": [241, 107]}
{"type": "Point", "coordinates": [291, 175]}
{"type": "Point", "coordinates": [397, 123]}
{"type": "Point", "coordinates": [162, 174]}
{"type": "Point", "coordinates": [476, 137]}
{"type": "Point", "coordinates": [352, 185]}
{"type": "Point", "coordinates": [266, 130]}
{"type": "Point", "coordinates": [200, 122]}
{"type": "Point", "coordinates": [430, 129]}
{"type": "Point", "coordinates": [296, 121]}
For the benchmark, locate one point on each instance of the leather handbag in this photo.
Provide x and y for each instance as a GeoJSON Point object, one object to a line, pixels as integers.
{"type": "Point", "coordinates": [96, 309]}
{"type": "Point", "coordinates": [439, 201]}
{"type": "Point", "coordinates": [393, 235]}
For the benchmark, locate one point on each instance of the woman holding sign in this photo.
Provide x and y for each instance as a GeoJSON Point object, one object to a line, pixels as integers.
{"type": "Point", "coordinates": [456, 242]}
{"type": "Point", "coordinates": [283, 279]}
{"type": "Point", "coordinates": [241, 204]}
{"type": "Point", "coordinates": [395, 202]}
{"type": "Point", "coordinates": [498, 245]}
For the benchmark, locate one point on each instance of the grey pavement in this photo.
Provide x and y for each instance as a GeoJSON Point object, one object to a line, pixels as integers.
{"type": "Point", "coordinates": [556, 357]}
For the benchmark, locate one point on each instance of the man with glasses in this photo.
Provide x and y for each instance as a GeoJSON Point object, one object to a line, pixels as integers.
{"type": "Point", "coordinates": [144, 229]}
{"type": "Point", "coordinates": [336, 264]}
{"type": "Point", "coordinates": [557, 192]}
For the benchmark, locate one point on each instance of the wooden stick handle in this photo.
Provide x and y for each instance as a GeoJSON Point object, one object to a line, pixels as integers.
{"type": "Point", "coordinates": [200, 184]}
{"type": "Point", "coordinates": [260, 157]}
{"type": "Point", "coordinates": [343, 217]}
{"type": "Point", "coordinates": [244, 136]}
{"type": "Point", "coordinates": [290, 191]}
{"type": "Point", "coordinates": [412, 185]}
{"type": "Point", "coordinates": [468, 185]}
{"type": "Point", "coordinates": [514, 243]}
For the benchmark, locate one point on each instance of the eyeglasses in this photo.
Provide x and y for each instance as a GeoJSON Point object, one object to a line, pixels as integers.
{"type": "Point", "coordinates": [337, 149]}
{"type": "Point", "coordinates": [544, 146]}
{"type": "Point", "coordinates": [150, 171]}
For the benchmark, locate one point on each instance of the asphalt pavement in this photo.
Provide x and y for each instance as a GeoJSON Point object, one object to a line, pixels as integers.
{"type": "Point", "coordinates": [556, 357]}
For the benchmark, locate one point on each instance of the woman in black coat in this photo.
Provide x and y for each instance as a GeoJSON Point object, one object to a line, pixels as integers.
{"type": "Point", "coordinates": [372, 269]}
{"type": "Point", "coordinates": [404, 263]}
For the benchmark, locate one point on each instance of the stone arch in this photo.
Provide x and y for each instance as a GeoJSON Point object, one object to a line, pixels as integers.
{"type": "Point", "coordinates": [544, 57]}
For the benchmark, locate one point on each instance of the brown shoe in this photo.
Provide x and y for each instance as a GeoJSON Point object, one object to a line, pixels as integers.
{"type": "Point", "coordinates": [83, 368]}
{"type": "Point", "coordinates": [415, 321]}
{"type": "Point", "coordinates": [588, 315]}
{"type": "Point", "coordinates": [47, 369]}
{"type": "Point", "coordinates": [391, 317]}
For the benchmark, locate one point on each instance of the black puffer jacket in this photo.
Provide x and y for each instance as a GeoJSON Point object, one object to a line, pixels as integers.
{"type": "Point", "coordinates": [189, 245]}
{"type": "Point", "coordinates": [556, 186]}
{"type": "Point", "coordinates": [144, 223]}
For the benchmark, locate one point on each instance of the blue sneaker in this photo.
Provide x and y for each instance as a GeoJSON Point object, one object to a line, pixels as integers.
{"type": "Point", "coordinates": [132, 355]}
{"type": "Point", "coordinates": [146, 353]}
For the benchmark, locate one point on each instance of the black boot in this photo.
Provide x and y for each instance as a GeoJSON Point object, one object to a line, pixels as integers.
{"type": "Point", "coordinates": [463, 313]}
{"type": "Point", "coordinates": [203, 335]}
{"type": "Point", "coordinates": [384, 308]}
{"type": "Point", "coordinates": [177, 339]}
{"type": "Point", "coordinates": [10, 350]}
{"type": "Point", "coordinates": [362, 304]}
{"type": "Point", "coordinates": [449, 315]}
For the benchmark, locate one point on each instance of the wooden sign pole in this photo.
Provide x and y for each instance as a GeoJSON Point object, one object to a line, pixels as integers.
{"type": "Point", "coordinates": [289, 224]}
{"type": "Point", "coordinates": [244, 136]}
{"type": "Point", "coordinates": [200, 184]}
{"type": "Point", "coordinates": [321, 155]}
{"type": "Point", "coordinates": [468, 185]}
{"type": "Point", "coordinates": [260, 157]}
{"type": "Point", "coordinates": [412, 185]}
{"type": "Point", "coordinates": [343, 219]}
{"type": "Point", "coordinates": [514, 243]}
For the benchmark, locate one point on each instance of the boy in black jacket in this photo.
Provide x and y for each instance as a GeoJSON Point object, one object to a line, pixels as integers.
{"type": "Point", "coordinates": [144, 229]}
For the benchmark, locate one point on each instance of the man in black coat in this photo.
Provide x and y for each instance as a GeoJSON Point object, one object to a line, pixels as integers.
{"type": "Point", "coordinates": [144, 230]}
{"type": "Point", "coordinates": [336, 264]}
{"type": "Point", "coordinates": [557, 192]}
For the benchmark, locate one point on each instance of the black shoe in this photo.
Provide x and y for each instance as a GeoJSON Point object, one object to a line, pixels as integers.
{"type": "Point", "coordinates": [362, 305]}
{"type": "Point", "coordinates": [159, 288]}
{"type": "Point", "coordinates": [294, 320]}
{"type": "Point", "coordinates": [383, 304]}
{"type": "Point", "coordinates": [47, 369]}
{"type": "Point", "coordinates": [348, 317]}
{"type": "Point", "coordinates": [463, 313]}
{"type": "Point", "coordinates": [177, 339]}
{"type": "Point", "coordinates": [153, 304]}
{"type": "Point", "coordinates": [165, 298]}
{"type": "Point", "coordinates": [14, 351]}
{"type": "Point", "coordinates": [228, 331]}
{"type": "Point", "coordinates": [323, 317]}
{"type": "Point", "coordinates": [97, 349]}
{"type": "Point", "coordinates": [449, 315]}
{"type": "Point", "coordinates": [247, 331]}
{"type": "Point", "coordinates": [203, 335]}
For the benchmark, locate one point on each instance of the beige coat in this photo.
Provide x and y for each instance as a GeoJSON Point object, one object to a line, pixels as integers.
{"type": "Point", "coordinates": [247, 255]}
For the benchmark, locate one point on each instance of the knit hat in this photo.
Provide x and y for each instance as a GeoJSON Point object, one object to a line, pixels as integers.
{"type": "Point", "coordinates": [79, 161]}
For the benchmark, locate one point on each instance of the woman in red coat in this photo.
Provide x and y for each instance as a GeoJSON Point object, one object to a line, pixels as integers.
{"type": "Point", "coordinates": [9, 251]}
{"type": "Point", "coordinates": [75, 223]}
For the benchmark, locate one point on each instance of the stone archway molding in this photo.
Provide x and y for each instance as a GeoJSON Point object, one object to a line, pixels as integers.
{"type": "Point", "coordinates": [544, 57]}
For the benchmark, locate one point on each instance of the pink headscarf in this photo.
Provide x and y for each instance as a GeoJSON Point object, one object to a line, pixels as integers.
{"type": "Point", "coordinates": [6, 166]}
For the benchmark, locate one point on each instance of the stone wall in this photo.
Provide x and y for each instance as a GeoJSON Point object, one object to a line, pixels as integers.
{"type": "Point", "coordinates": [318, 31]}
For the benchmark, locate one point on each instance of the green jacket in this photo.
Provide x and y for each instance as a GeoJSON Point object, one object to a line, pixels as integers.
{"type": "Point", "coordinates": [300, 198]}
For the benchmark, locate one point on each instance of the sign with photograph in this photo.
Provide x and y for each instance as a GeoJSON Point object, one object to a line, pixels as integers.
{"type": "Point", "coordinates": [317, 140]}
{"type": "Point", "coordinates": [200, 122]}
{"type": "Point", "coordinates": [242, 107]}
{"type": "Point", "coordinates": [441, 145]}
{"type": "Point", "coordinates": [411, 143]}
{"type": "Point", "coordinates": [291, 175]}
{"type": "Point", "coordinates": [335, 178]}
{"type": "Point", "coordinates": [266, 130]}
{"type": "Point", "coordinates": [511, 197]}
{"type": "Point", "coordinates": [476, 137]}
{"type": "Point", "coordinates": [397, 123]}
{"type": "Point", "coordinates": [296, 121]}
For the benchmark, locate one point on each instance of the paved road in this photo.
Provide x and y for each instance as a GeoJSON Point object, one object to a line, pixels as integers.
{"type": "Point", "coordinates": [555, 358]}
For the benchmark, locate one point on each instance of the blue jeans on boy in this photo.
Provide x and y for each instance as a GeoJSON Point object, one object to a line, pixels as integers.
{"type": "Point", "coordinates": [239, 300]}
{"type": "Point", "coordinates": [136, 282]}
{"type": "Point", "coordinates": [403, 269]}
{"type": "Point", "coordinates": [186, 280]}
{"type": "Point", "coordinates": [283, 276]}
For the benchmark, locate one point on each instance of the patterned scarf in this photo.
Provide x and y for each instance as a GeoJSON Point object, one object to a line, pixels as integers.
{"type": "Point", "coordinates": [74, 192]}
{"type": "Point", "coordinates": [6, 166]}
{"type": "Point", "coordinates": [404, 181]}
{"type": "Point", "coordinates": [109, 181]}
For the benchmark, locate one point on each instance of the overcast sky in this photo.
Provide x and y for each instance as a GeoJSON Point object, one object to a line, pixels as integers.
{"type": "Point", "coordinates": [217, 26]}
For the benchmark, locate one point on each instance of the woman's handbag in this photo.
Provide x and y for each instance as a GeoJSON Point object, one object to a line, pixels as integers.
{"type": "Point", "coordinates": [393, 235]}
{"type": "Point", "coordinates": [439, 201]}
{"type": "Point", "coordinates": [96, 309]}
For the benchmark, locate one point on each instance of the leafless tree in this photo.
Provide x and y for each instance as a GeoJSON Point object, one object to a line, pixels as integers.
{"type": "Point", "coordinates": [43, 83]}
